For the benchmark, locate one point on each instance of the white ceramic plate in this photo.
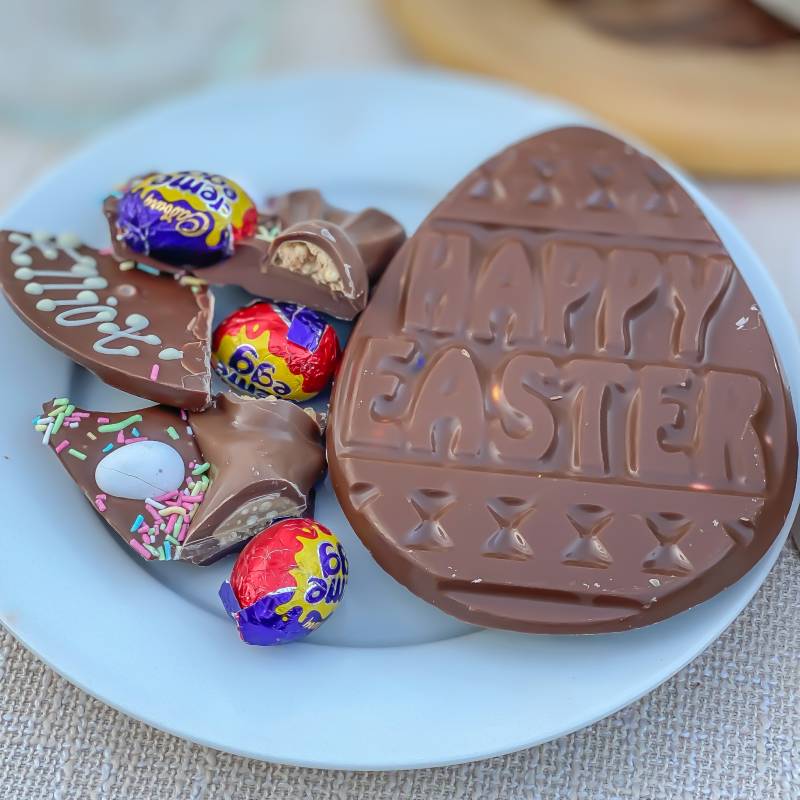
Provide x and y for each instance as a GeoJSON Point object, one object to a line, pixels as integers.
{"type": "Point", "coordinates": [389, 682]}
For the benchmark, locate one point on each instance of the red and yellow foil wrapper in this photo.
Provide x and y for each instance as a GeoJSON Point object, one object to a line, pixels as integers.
{"type": "Point", "coordinates": [185, 218]}
{"type": "Point", "coordinates": [286, 582]}
{"type": "Point", "coordinates": [276, 349]}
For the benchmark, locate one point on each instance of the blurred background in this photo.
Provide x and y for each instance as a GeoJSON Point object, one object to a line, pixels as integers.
{"type": "Point", "coordinates": [714, 84]}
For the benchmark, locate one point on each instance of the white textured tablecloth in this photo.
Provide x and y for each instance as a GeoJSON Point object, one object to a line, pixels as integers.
{"type": "Point", "coordinates": [725, 728]}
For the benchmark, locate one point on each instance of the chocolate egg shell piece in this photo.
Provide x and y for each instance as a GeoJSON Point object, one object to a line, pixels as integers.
{"type": "Point", "coordinates": [136, 332]}
{"type": "Point", "coordinates": [376, 235]}
{"type": "Point", "coordinates": [562, 411]}
{"type": "Point", "coordinates": [266, 455]}
{"type": "Point", "coordinates": [304, 251]}
{"type": "Point", "coordinates": [179, 485]}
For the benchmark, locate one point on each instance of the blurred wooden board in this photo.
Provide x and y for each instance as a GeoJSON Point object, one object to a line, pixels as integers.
{"type": "Point", "coordinates": [715, 110]}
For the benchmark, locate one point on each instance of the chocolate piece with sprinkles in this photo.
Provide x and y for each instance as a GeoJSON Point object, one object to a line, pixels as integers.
{"type": "Point", "coordinates": [178, 485]}
{"type": "Point", "coordinates": [304, 251]}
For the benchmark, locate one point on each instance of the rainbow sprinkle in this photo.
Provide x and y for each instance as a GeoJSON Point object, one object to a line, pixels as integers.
{"type": "Point", "coordinates": [171, 523]}
{"type": "Point", "coordinates": [190, 280]}
{"type": "Point", "coordinates": [99, 502]}
{"type": "Point", "coordinates": [137, 523]}
{"type": "Point", "coordinates": [59, 421]}
{"type": "Point", "coordinates": [173, 434]}
{"type": "Point", "coordinates": [77, 454]}
{"type": "Point", "coordinates": [113, 427]}
{"type": "Point", "coordinates": [201, 468]}
{"type": "Point", "coordinates": [165, 512]}
{"type": "Point", "coordinates": [62, 445]}
{"type": "Point", "coordinates": [139, 548]}
{"type": "Point", "coordinates": [108, 448]}
{"type": "Point", "coordinates": [154, 372]}
{"type": "Point", "coordinates": [148, 269]}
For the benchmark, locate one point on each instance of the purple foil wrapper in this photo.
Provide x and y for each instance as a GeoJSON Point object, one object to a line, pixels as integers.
{"type": "Point", "coordinates": [258, 624]}
{"type": "Point", "coordinates": [144, 230]}
{"type": "Point", "coordinates": [305, 325]}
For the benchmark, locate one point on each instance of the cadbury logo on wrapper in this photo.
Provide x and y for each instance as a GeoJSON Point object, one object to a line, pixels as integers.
{"type": "Point", "coordinates": [185, 217]}
{"type": "Point", "coordinates": [276, 349]}
{"type": "Point", "coordinates": [287, 581]}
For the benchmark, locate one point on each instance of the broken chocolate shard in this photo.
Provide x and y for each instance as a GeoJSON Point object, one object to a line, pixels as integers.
{"type": "Point", "coordinates": [562, 411]}
{"type": "Point", "coordinates": [189, 486]}
{"type": "Point", "coordinates": [304, 251]}
{"type": "Point", "coordinates": [131, 466]}
{"type": "Point", "coordinates": [135, 331]}
{"type": "Point", "coordinates": [265, 456]}
{"type": "Point", "coordinates": [374, 235]}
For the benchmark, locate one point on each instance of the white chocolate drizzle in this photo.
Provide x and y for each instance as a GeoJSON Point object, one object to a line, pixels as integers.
{"type": "Point", "coordinates": [170, 354]}
{"type": "Point", "coordinates": [136, 323]}
{"type": "Point", "coordinates": [85, 307]}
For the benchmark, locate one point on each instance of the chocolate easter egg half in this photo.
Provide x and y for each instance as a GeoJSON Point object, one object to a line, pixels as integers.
{"type": "Point", "coordinates": [562, 411]}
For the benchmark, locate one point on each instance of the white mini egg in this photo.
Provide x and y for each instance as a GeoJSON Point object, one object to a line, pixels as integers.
{"type": "Point", "coordinates": [140, 470]}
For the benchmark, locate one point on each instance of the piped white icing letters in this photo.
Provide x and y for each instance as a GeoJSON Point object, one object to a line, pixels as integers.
{"type": "Point", "coordinates": [170, 354]}
{"type": "Point", "coordinates": [85, 307]}
{"type": "Point", "coordinates": [136, 323]}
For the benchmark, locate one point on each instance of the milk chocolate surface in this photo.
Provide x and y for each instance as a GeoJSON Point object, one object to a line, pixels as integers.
{"type": "Point", "coordinates": [265, 456]}
{"type": "Point", "coordinates": [305, 251]}
{"type": "Point", "coordinates": [135, 331]}
{"type": "Point", "coordinates": [562, 410]}
{"type": "Point", "coordinates": [190, 486]}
